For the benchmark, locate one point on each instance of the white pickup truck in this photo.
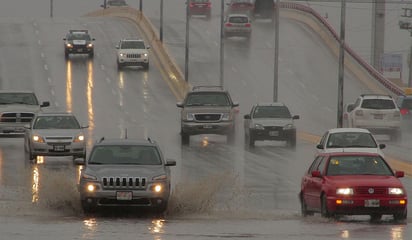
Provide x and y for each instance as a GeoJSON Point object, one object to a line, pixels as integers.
{"type": "Point", "coordinates": [17, 108]}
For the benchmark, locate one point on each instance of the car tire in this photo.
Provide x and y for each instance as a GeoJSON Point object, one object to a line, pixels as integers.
{"type": "Point", "coordinates": [324, 207]}
{"type": "Point", "coordinates": [303, 207]}
{"type": "Point", "coordinates": [292, 141]}
{"type": "Point", "coordinates": [251, 140]}
{"type": "Point", "coordinates": [146, 66]}
{"type": "Point", "coordinates": [91, 54]}
{"type": "Point", "coordinates": [88, 207]}
{"type": "Point", "coordinates": [400, 216]}
{"type": "Point", "coordinates": [119, 66]}
{"type": "Point", "coordinates": [185, 138]}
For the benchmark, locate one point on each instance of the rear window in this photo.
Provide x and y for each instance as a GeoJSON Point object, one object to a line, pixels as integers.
{"type": "Point", "coordinates": [208, 99]}
{"type": "Point", "coordinates": [238, 20]}
{"type": "Point", "coordinates": [378, 104]}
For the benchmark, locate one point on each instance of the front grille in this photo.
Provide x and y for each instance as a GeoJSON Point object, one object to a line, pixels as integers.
{"type": "Point", "coordinates": [374, 190]}
{"type": "Point", "coordinates": [124, 182]}
{"type": "Point", "coordinates": [208, 117]}
{"type": "Point", "coordinates": [273, 128]}
{"type": "Point", "coordinates": [17, 117]}
{"type": "Point", "coordinates": [133, 55]}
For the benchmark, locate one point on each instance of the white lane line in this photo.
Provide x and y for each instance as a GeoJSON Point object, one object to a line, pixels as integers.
{"type": "Point", "coordinates": [315, 97]}
{"type": "Point", "coordinates": [52, 92]}
{"type": "Point", "coordinates": [39, 42]}
{"type": "Point", "coordinates": [49, 80]}
{"type": "Point", "coordinates": [108, 80]}
{"type": "Point", "coordinates": [102, 67]}
{"type": "Point", "coordinates": [329, 109]}
{"type": "Point", "coordinates": [46, 67]}
{"type": "Point", "coordinates": [42, 55]}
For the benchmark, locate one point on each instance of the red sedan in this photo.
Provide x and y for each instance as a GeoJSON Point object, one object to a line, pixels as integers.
{"type": "Point", "coordinates": [353, 183]}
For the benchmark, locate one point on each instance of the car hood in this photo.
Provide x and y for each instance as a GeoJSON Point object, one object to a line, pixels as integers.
{"type": "Point", "coordinates": [364, 180]}
{"type": "Point", "coordinates": [362, 150]}
{"type": "Point", "coordinates": [207, 109]}
{"type": "Point", "coordinates": [57, 132]}
{"type": "Point", "coordinates": [272, 121]}
{"type": "Point", "coordinates": [148, 171]}
{"type": "Point", "coordinates": [19, 108]}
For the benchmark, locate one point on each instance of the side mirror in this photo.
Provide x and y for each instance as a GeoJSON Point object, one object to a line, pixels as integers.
{"type": "Point", "coordinates": [382, 146]}
{"type": "Point", "coordinates": [350, 107]}
{"type": "Point", "coordinates": [148, 47]}
{"type": "Point", "coordinates": [235, 104]}
{"type": "Point", "coordinates": [296, 117]}
{"type": "Point", "coordinates": [117, 46]}
{"type": "Point", "coordinates": [399, 174]}
{"type": "Point", "coordinates": [64, 39]}
{"type": "Point", "coordinates": [85, 126]}
{"type": "Point", "coordinates": [246, 116]}
{"type": "Point", "coordinates": [179, 104]}
{"type": "Point", "coordinates": [79, 161]}
{"type": "Point", "coordinates": [316, 174]}
{"type": "Point", "coordinates": [93, 39]}
{"type": "Point", "coordinates": [170, 162]}
{"type": "Point", "coordinates": [319, 146]}
{"type": "Point", "coordinates": [45, 104]}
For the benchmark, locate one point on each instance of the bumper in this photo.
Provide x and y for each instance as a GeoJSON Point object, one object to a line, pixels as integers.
{"type": "Point", "coordinates": [12, 129]}
{"type": "Point", "coordinates": [47, 149]}
{"type": "Point", "coordinates": [221, 128]}
{"type": "Point", "coordinates": [132, 61]}
{"type": "Point", "coordinates": [357, 206]}
{"type": "Point", "coordinates": [79, 50]}
{"type": "Point", "coordinates": [277, 135]}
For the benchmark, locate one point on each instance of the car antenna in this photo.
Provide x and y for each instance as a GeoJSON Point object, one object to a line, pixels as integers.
{"type": "Point", "coordinates": [148, 139]}
{"type": "Point", "coordinates": [101, 139]}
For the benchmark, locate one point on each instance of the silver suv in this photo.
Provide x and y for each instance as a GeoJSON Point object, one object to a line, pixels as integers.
{"type": "Point", "coordinates": [207, 110]}
{"type": "Point", "coordinates": [375, 112]}
{"type": "Point", "coordinates": [125, 172]}
{"type": "Point", "coordinates": [17, 109]}
{"type": "Point", "coordinates": [132, 52]}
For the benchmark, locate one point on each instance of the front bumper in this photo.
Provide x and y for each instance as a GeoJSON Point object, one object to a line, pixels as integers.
{"type": "Point", "coordinates": [277, 134]}
{"type": "Point", "coordinates": [58, 149]}
{"type": "Point", "coordinates": [196, 128]}
{"type": "Point", "coordinates": [79, 50]}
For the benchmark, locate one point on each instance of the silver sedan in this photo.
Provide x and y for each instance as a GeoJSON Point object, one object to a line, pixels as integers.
{"type": "Point", "coordinates": [55, 134]}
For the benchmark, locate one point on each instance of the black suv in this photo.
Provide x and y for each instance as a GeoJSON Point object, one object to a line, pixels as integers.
{"type": "Point", "coordinates": [405, 106]}
{"type": "Point", "coordinates": [78, 42]}
{"type": "Point", "coordinates": [270, 121]}
{"type": "Point", "coordinates": [207, 110]}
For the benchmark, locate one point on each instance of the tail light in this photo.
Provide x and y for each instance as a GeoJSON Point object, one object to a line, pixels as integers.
{"type": "Point", "coordinates": [247, 25]}
{"type": "Point", "coordinates": [228, 24]}
{"type": "Point", "coordinates": [404, 111]}
{"type": "Point", "coordinates": [191, 5]}
{"type": "Point", "coordinates": [209, 5]}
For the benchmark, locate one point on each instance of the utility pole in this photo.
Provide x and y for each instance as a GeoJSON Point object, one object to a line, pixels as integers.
{"type": "Point", "coordinates": [276, 60]}
{"type": "Point", "coordinates": [222, 43]}
{"type": "Point", "coordinates": [378, 32]}
{"type": "Point", "coordinates": [341, 63]}
{"type": "Point", "coordinates": [186, 43]}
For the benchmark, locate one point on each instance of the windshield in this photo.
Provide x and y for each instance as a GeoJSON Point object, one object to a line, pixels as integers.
{"type": "Point", "coordinates": [125, 155]}
{"type": "Point", "coordinates": [132, 45]}
{"type": "Point", "coordinates": [79, 36]}
{"type": "Point", "coordinates": [211, 99]}
{"type": "Point", "coordinates": [358, 165]}
{"type": "Point", "coordinates": [56, 122]}
{"type": "Point", "coordinates": [378, 104]}
{"type": "Point", "coordinates": [271, 112]}
{"type": "Point", "coordinates": [351, 139]}
{"type": "Point", "coordinates": [18, 98]}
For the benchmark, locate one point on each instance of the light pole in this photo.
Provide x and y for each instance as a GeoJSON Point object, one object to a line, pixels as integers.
{"type": "Point", "coordinates": [51, 8]}
{"type": "Point", "coordinates": [222, 43]}
{"type": "Point", "coordinates": [161, 21]}
{"type": "Point", "coordinates": [276, 60]}
{"type": "Point", "coordinates": [140, 5]}
{"type": "Point", "coordinates": [341, 63]}
{"type": "Point", "coordinates": [187, 44]}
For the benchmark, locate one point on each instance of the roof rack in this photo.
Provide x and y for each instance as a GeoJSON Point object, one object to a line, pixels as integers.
{"type": "Point", "coordinates": [375, 94]}
{"type": "Point", "coordinates": [219, 87]}
{"type": "Point", "coordinates": [84, 31]}
{"type": "Point", "coordinates": [151, 140]}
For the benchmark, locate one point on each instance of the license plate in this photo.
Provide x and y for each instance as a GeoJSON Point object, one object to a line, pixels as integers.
{"type": "Point", "coordinates": [372, 203]}
{"type": "Point", "coordinates": [274, 133]}
{"type": "Point", "coordinates": [59, 148]}
{"type": "Point", "coordinates": [207, 126]}
{"type": "Point", "coordinates": [378, 116]}
{"type": "Point", "coordinates": [122, 196]}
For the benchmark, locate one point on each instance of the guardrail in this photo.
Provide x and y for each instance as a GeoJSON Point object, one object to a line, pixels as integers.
{"type": "Point", "coordinates": [371, 70]}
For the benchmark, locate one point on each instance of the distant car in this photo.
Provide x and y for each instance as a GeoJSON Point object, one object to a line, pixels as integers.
{"type": "Point", "coordinates": [125, 172]}
{"type": "Point", "coordinates": [17, 109]}
{"type": "Point", "coordinates": [270, 121]}
{"type": "Point", "coordinates": [132, 52]}
{"type": "Point", "coordinates": [241, 6]}
{"type": "Point", "coordinates": [376, 112]}
{"type": "Point", "coordinates": [350, 139]}
{"type": "Point", "coordinates": [405, 106]}
{"type": "Point", "coordinates": [207, 110]}
{"type": "Point", "coordinates": [55, 134]}
{"type": "Point", "coordinates": [78, 42]}
{"type": "Point", "coordinates": [237, 25]}
{"type": "Point", "coordinates": [116, 3]}
{"type": "Point", "coordinates": [353, 183]}
{"type": "Point", "coordinates": [200, 7]}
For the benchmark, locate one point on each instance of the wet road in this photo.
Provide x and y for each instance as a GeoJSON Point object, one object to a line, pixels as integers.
{"type": "Point", "coordinates": [219, 190]}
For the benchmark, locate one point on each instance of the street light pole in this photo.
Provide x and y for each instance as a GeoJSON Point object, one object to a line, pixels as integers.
{"type": "Point", "coordinates": [341, 63]}
{"type": "Point", "coordinates": [187, 44]}
{"type": "Point", "coordinates": [140, 5]}
{"type": "Point", "coordinates": [222, 43]}
{"type": "Point", "coordinates": [161, 21]}
{"type": "Point", "coordinates": [276, 60]}
{"type": "Point", "coordinates": [51, 8]}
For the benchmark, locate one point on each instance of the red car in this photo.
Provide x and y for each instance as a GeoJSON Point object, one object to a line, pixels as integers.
{"type": "Point", "coordinates": [200, 7]}
{"type": "Point", "coordinates": [353, 183]}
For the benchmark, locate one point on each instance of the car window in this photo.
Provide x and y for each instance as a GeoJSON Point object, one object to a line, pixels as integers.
{"type": "Point", "coordinates": [358, 165]}
{"type": "Point", "coordinates": [56, 122]}
{"type": "Point", "coordinates": [378, 104]}
{"type": "Point", "coordinates": [132, 45]}
{"type": "Point", "coordinates": [78, 36]}
{"type": "Point", "coordinates": [315, 164]}
{"type": "Point", "coordinates": [125, 155]}
{"type": "Point", "coordinates": [238, 20]}
{"type": "Point", "coordinates": [351, 139]}
{"type": "Point", "coordinates": [213, 99]}
{"type": "Point", "coordinates": [271, 112]}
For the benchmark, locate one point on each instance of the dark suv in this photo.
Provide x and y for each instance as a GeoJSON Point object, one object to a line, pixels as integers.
{"type": "Point", "coordinates": [200, 7]}
{"type": "Point", "coordinates": [270, 121]}
{"type": "Point", "coordinates": [405, 106]}
{"type": "Point", "coordinates": [207, 110]}
{"type": "Point", "coordinates": [125, 172]}
{"type": "Point", "coordinates": [78, 42]}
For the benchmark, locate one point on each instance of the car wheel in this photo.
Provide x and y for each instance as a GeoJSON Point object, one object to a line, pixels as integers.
{"type": "Point", "coordinates": [91, 54]}
{"type": "Point", "coordinates": [185, 138]}
{"type": "Point", "coordinates": [324, 207]}
{"type": "Point", "coordinates": [160, 209]}
{"type": "Point", "coordinates": [66, 55]}
{"type": "Point", "coordinates": [251, 140]}
{"type": "Point", "coordinates": [119, 66]}
{"type": "Point", "coordinates": [400, 216]}
{"type": "Point", "coordinates": [88, 207]}
{"type": "Point", "coordinates": [146, 66]}
{"type": "Point", "coordinates": [292, 141]}
{"type": "Point", "coordinates": [303, 207]}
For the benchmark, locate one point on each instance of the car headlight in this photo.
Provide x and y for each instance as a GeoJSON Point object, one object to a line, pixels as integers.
{"type": "Point", "coordinates": [69, 45]}
{"type": "Point", "coordinates": [79, 138]}
{"type": "Point", "coordinates": [145, 54]}
{"type": "Point", "coordinates": [395, 191]}
{"type": "Point", "coordinates": [190, 117]}
{"type": "Point", "coordinates": [225, 116]}
{"type": "Point", "coordinates": [38, 139]}
{"type": "Point", "coordinates": [90, 45]}
{"type": "Point", "coordinates": [157, 187]}
{"type": "Point", "coordinates": [122, 54]}
{"type": "Point", "coordinates": [288, 127]}
{"type": "Point", "coordinates": [344, 191]}
{"type": "Point", "coordinates": [259, 126]}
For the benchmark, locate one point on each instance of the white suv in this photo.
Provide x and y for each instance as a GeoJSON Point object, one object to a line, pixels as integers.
{"type": "Point", "coordinates": [132, 52]}
{"type": "Point", "coordinates": [375, 112]}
